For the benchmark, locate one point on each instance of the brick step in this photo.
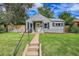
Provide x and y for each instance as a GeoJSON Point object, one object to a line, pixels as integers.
{"type": "Point", "coordinates": [32, 53]}
{"type": "Point", "coordinates": [33, 47]}
{"type": "Point", "coordinates": [32, 44]}
{"type": "Point", "coordinates": [34, 41]}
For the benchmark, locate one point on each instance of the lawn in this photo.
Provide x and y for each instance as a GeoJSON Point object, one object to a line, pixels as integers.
{"type": "Point", "coordinates": [8, 42]}
{"type": "Point", "coordinates": [60, 44]}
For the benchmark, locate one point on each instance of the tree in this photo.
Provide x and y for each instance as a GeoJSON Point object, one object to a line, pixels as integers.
{"type": "Point", "coordinates": [19, 11]}
{"type": "Point", "coordinates": [6, 18]}
{"type": "Point", "coordinates": [67, 17]}
{"type": "Point", "coordinates": [75, 29]}
{"type": "Point", "coordinates": [15, 14]}
{"type": "Point", "coordinates": [68, 20]}
{"type": "Point", "coordinates": [45, 11]}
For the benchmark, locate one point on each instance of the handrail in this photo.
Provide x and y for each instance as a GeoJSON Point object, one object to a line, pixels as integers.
{"type": "Point", "coordinates": [17, 46]}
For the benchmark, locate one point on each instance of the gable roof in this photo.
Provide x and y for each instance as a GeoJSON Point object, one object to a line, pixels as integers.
{"type": "Point", "coordinates": [38, 17]}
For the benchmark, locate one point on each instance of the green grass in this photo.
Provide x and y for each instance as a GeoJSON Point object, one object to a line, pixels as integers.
{"type": "Point", "coordinates": [60, 44]}
{"type": "Point", "coordinates": [8, 42]}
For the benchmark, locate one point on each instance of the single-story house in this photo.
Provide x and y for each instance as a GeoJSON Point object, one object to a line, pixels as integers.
{"type": "Point", "coordinates": [39, 23]}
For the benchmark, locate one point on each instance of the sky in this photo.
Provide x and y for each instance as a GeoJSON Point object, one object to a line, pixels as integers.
{"type": "Point", "coordinates": [57, 8]}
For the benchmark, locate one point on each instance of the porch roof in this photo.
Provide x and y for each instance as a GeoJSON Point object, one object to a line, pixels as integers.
{"type": "Point", "coordinates": [57, 20]}
{"type": "Point", "coordinates": [38, 17]}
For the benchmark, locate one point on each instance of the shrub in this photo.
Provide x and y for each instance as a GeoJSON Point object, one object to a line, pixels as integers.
{"type": "Point", "coordinates": [2, 29]}
{"type": "Point", "coordinates": [75, 29]}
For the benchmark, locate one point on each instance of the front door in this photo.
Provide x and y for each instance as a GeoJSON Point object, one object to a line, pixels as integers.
{"type": "Point", "coordinates": [38, 26]}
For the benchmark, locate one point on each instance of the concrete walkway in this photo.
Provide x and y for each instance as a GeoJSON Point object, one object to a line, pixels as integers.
{"type": "Point", "coordinates": [33, 48]}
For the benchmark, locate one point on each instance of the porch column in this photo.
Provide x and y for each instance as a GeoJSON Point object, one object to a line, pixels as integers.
{"type": "Point", "coordinates": [42, 27]}
{"type": "Point", "coordinates": [27, 26]}
{"type": "Point", "coordinates": [32, 27]}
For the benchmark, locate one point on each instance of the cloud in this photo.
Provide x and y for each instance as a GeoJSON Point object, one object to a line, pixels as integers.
{"type": "Point", "coordinates": [77, 17]}
{"type": "Point", "coordinates": [72, 8]}
{"type": "Point", "coordinates": [37, 5]}
{"type": "Point", "coordinates": [75, 7]}
{"type": "Point", "coordinates": [58, 8]}
{"type": "Point", "coordinates": [32, 12]}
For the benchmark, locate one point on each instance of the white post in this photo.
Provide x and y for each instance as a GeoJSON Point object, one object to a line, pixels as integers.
{"type": "Point", "coordinates": [29, 26]}
{"type": "Point", "coordinates": [43, 29]}
{"type": "Point", "coordinates": [26, 27]}
{"type": "Point", "coordinates": [32, 27]}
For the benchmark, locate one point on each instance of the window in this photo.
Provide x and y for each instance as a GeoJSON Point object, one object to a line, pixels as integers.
{"type": "Point", "coordinates": [31, 25]}
{"type": "Point", "coordinates": [57, 24]}
{"type": "Point", "coordinates": [46, 25]}
{"type": "Point", "coordinates": [61, 24]}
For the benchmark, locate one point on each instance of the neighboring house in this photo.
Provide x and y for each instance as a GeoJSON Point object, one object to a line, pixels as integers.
{"type": "Point", "coordinates": [39, 23]}
{"type": "Point", "coordinates": [76, 22]}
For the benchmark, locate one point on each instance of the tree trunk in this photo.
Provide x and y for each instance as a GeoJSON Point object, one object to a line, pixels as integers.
{"type": "Point", "coordinates": [6, 27]}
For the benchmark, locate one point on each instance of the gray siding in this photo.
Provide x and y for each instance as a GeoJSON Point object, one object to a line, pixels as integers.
{"type": "Point", "coordinates": [54, 29]}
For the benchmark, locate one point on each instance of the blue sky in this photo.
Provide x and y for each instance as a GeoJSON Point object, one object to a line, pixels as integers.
{"type": "Point", "coordinates": [57, 8]}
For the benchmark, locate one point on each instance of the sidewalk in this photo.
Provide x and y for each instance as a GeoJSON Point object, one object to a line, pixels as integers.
{"type": "Point", "coordinates": [33, 47]}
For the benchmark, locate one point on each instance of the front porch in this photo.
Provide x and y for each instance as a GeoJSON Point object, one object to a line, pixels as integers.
{"type": "Point", "coordinates": [35, 26]}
